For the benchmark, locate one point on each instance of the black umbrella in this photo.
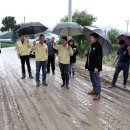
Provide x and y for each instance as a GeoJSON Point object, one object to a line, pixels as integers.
{"type": "Point", "coordinates": [68, 29]}
{"type": "Point", "coordinates": [126, 38]}
{"type": "Point", "coordinates": [104, 40]}
{"type": "Point", "coordinates": [32, 28]}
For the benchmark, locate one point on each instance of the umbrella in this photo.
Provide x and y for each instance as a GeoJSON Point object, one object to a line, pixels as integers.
{"type": "Point", "coordinates": [50, 35]}
{"type": "Point", "coordinates": [32, 28]}
{"type": "Point", "coordinates": [103, 40]}
{"type": "Point", "coordinates": [126, 38]}
{"type": "Point", "coordinates": [68, 29]}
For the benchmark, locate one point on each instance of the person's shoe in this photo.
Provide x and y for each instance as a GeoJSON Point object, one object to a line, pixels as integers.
{"type": "Point", "coordinates": [37, 83]}
{"type": "Point", "coordinates": [112, 86]}
{"type": "Point", "coordinates": [124, 85]}
{"type": "Point", "coordinates": [48, 72]}
{"type": "Point", "coordinates": [44, 83]}
{"type": "Point", "coordinates": [62, 85]}
{"type": "Point", "coordinates": [69, 74]}
{"type": "Point", "coordinates": [53, 72]}
{"type": "Point", "coordinates": [92, 92]}
{"type": "Point", "coordinates": [23, 76]}
{"type": "Point", "coordinates": [97, 97]}
{"type": "Point", "coordinates": [67, 86]}
{"type": "Point", "coordinates": [30, 76]}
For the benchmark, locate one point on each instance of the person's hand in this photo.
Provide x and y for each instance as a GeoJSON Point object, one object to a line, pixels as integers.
{"type": "Point", "coordinates": [86, 52]}
{"type": "Point", "coordinates": [128, 48]}
{"type": "Point", "coordinates": [96, 70]}
{"type": "Point", "coordinates": [68, 46]}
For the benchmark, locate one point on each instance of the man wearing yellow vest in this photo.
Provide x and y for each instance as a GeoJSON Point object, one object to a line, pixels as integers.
{"type": "Point", "coordinates": [64, 53]}
{"type": "Point", "coordinates": [22, 47]}
{"type": "Point", "coordinates": [41, 54]}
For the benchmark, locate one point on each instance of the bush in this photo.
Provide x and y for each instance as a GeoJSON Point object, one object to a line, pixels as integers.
{"type": "Point", "coordinates": [82, 47]}
{"type": "Point", "coordinates": [115, 47]}
{"type": "Point", "coordinates": [113, 36]}
{"type": "Point", "coordinates": [110, 59]}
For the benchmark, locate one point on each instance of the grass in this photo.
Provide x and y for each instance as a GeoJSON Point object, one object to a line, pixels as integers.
{"type": "Point", "coordinates": [80, 63]}
{"type": "Point", "coordinates": [5, 45]}
{"type": "Point", "coordinates": [107, 60]}
{"type": "Point", "coordinates": [110, 59]}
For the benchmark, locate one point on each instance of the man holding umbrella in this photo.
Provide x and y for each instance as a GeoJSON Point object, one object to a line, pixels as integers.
{"type": "Point", "coordinates": [94, 65]}
{"type": "Point", "coordinates": [22, 47]}
{"type": "Point", "coordinates": [123, 63]}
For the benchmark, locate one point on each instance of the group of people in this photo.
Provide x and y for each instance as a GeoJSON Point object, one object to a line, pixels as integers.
{"type": "Point", "coordinates": [45, 54]}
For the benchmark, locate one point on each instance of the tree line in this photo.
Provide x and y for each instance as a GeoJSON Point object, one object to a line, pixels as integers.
{"type": "Point", "coordinates": [81, 17]}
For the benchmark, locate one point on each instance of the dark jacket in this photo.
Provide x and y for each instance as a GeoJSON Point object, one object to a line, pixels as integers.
{"type": "Point", "coordinates": [123, 55]}
{"type": "Point", "coordinates": [94, 57]}
{"type": "Point", "coordinates": [51, 50]}
{"type": "Point", "coordinates": [75, 52]}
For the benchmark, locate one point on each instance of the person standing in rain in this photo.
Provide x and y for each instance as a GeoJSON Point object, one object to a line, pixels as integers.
{"type": "Point", "coordinates": [72, 58]}
{"type": "Point", "coordinates": [22, 47]}
{"type": "Point", "coordinates": [122, 64]}
{"type": "Point", "coordinates": [41, 54]}
{"type": "Point", "coordinates": [51, 56]}
{"type": "Point", "coordinates": [64, 53]}
{"type": "Point", "coordinates": [94, 65]}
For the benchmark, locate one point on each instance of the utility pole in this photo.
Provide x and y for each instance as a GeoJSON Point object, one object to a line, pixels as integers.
{"type": "Point", "coordinates": [70, 14]}
{"type": "Point", "coordinates": [24, 19]}
{"type": "Point", "coordinates": [70, 11]}
{"type": "Point", "coordinates": [127, 25]}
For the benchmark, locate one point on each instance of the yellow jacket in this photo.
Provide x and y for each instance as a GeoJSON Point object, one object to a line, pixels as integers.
{"type": "Point", "coordinates": [64, 53]}
{"type": "Point", "coordinates": [23, 48]}
{"type": "Point", "coordinates": [41, 52]}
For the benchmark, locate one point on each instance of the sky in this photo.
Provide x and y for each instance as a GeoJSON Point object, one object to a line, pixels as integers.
{"type": "Point", "coordinates": [112, 13]}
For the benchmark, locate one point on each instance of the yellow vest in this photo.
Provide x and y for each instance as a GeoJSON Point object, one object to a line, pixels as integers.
{"type": "Point", "coordinates": [23, 48]}
{"type": "Point", "coordinates": [64, 53]}
{"type": "Point", "coordinates": [41, 52]}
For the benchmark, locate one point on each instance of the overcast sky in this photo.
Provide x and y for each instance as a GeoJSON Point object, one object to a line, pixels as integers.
{"type": "Point", "coordinates": [49, 12]}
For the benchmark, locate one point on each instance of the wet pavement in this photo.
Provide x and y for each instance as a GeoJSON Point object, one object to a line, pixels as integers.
{"type": "Point", "coordinates": [25, 107]}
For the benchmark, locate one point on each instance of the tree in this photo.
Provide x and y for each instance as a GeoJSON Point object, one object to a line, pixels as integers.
{"type": "Point", "coordinates": [9, 23]}
{"type": "Point", "coordinates": [113, 36]}
{"type": "Point", "coordinates": [83, 18]}
{"type": "Point", "coordinates": [14, 33]}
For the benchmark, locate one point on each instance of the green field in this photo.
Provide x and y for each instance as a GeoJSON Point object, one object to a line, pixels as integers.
{"type": "Point", "coordinates": [5, 45]}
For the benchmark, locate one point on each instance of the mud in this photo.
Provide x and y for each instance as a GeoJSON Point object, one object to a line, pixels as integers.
{"type": "Point", "coordinates": [25, 107]}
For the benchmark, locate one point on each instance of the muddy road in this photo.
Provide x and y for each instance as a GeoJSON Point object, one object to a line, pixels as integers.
{"type": "Point", "coordinates": [25, 107]}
